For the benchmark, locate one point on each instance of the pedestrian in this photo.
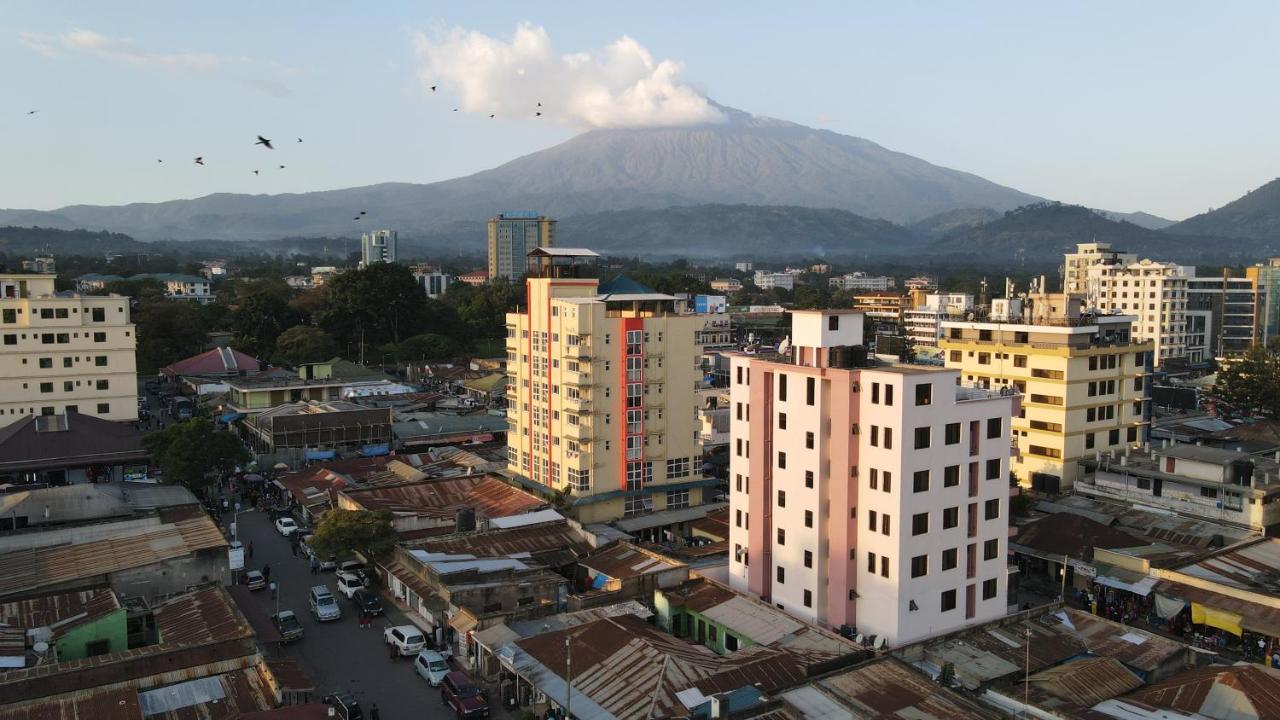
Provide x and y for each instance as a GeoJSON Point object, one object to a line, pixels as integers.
{"type": "Point", "coordinates": [392, 651]}
{"type": "Point", "coordinates": [293, 548]}
{"type": "Point", "coordinates": [266, 572]}
{"type": "Point", "coordinates": [315, 565]}
{"type": "Point", "coordinates": [250, 549]}
{"type": "Point", "coordinates": [373, 713]}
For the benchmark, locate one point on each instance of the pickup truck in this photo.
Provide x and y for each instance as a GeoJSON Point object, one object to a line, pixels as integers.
{"type": "Point", "coordinates": [463, 697]}
{"type": "Point", "coordinates": [288, 626]}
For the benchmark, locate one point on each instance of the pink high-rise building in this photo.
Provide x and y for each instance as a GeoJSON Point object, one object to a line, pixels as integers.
{"type": "Point", "coordinates": [873, 496]}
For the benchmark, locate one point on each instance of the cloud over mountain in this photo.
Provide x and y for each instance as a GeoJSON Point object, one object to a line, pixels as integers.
{"type": "Point", "coordinates": [618, 86]}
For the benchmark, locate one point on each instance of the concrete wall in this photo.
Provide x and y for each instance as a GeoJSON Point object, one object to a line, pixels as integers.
{"type": "Point", "coordinates": [173, 576]}
{"type": "Point", "coordinates": [112, 627]}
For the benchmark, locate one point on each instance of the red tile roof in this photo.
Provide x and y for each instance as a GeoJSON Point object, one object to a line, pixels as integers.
{"type": "Point", "coordinates": [218, 361]}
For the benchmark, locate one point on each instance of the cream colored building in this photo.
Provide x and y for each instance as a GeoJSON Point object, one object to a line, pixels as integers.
{"type": "Point", "coordinates": [64, 351]}
{"type": "Point", "coordinates": [512, 237]}
{"type": "Point", "coordinates": [1084, 380]}
{"type": "Point", "coordinates": [601, 398]}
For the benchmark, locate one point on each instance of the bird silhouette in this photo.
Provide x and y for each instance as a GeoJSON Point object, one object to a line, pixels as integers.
{"type": "Point", "coordinates": [264, 141]}
{"type": "Point", "coordinates": [255, 172]}
{"type": "Point", "coordinates": [299, 139]}
{"type": "Point", "coordinates": [491, 117]}
{"type": "Point", "coordinates": [200, 160]}
{"type": "Point", "coordinates": [433, 88]}
{"type": "Point", "coordinates": [32, 112]}
{"type": "Point", "coordinates": [537, 114]}
{"type": "Point", "coordinates": [281, 167]}
{"type": "Point", "coordinates": [539, 104]}
{"type": "Point", "coordinates": [356, 217]}
{"type": "Point", "coordinates": [455, 109]}
{"type": "Point", "coordinates": [362, 212]}
{"type": "Point", "coordinates": [159, 161]}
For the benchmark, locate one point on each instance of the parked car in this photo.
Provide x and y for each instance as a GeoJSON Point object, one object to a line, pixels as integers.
{"type": "Point", "coordinates": [324, 606]}
{"type": "Point", "coordinates": [255, 580]}
{"type": "Point", "coordinates": [348, 583]}
{"type": "Point", "coordinates": [463, 696]}
{"type": "Point", "coordinates": [407, 639]}
{"type": "Point", "coordinates": [355, 567]}
{"type": "Point", "coordinates": [367, 600]}
{"type": "Point", "coordinates": [286, 526]}
{"type": "Point", "coordinates": [326, 564]}
{"type": "Point", "coordinates": [431, 666]}
{"type": "Point", "coordinates": [345, 705]}
{"type": "Point", "coordinates": [288, 625]}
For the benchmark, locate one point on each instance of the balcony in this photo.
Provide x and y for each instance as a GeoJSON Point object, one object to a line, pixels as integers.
{"type": "Point", "coordinates": [578, 352]}
{"type": "Point", "coordinates": [576, 379]}
{"type": "Point", "coordinates": [580, 432]}
{"type": "Point", "coordinates": [578, 404]}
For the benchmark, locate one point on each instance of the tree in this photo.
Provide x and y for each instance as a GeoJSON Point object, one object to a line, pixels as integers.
{"type": "Point", "coordinates": [263, 312]}
{"type": "Point", "coordinates": [303, 344]}
{"type": "Point", "coordinates": [484, 308]}
{"type": "Point", "coordinates": [342, 532]}
{"type": "Point", "coordinates": [429, 347]}
{"type": "Point", "coordinates": [1253, 382]}
{"type": "Point", "coordinates": [194, 453]}
{"type": "Point", "coordinates": [168, 331]}
{"type": "Point", "coordinates": [377, 304]}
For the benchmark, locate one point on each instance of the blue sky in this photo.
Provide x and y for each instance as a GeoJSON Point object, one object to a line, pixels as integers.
{"type": "Point", "coordinates": [1169, 108]}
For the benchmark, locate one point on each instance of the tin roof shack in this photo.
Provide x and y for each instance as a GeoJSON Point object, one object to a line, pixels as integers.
{"type": "Point", "coordinates": [334, 424]}
{"type": "Point", "coordinates": [490, 588]}
{"type": "Point", "coordinates": [201, 635]}
{"type": "Point", "coordinates": [1217, 692]}
{"type": "Point", "coordinates": [75, 624]}
{"type": "Point", "coordinates": [881, 688]}
{"type": "Point", "coordinates": [623, 571]}
{"type": "Point", "coordinates": [1236, 588]}
{"type": "Point", "coordinates": [1218, 484]}
{"type": "Point", "coordinates": [420, 430]}
{"type": "Point", "coordinates": [551, 541]}
{"type": "Point", "coordinates": [23, 508]}
{"type": "Point", "coordinates": [146, 557]}
{"type": "Point", "coordinates": [435, 503]}
{"type": "Point", "coordinates": [69, 449]}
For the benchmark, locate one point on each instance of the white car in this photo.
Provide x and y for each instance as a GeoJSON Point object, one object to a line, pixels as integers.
{"type": "Point", "coordinates": [432, 666]}
{"type": "Point", "coordinates": [349, 583]}
{"type": "Point", "coordinates": [286, 526]}
{"type": "Point", "coordinates": [407, 639]}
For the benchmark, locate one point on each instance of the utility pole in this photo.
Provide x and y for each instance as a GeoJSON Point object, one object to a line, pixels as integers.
{"type": "Point", "coordinates": [568, 671]}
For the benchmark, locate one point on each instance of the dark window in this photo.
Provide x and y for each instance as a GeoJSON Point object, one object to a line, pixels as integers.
{"type": "Point", "coordinates": [924, 394]}
{"type": "Point", "coordinates": [920, 523]}
{"type": "Point", "coordinates": [782, 387]}
{"type": "Point", "coordinates": [1133, 434]}
{"type": "Point", "coordinates": [782, 459]}
{"type": "Point", "coordinates": [888, 394]}
{"type": "Point", "coordinates": [808, 478]}
{"type": "Point", "coordinates": [1088, 441]}
{"type": "Point", "coordinates": [919, 566]}
{"type": "Point", "coordinates": [994, 427]}
{"type": "Point", "coordinates": [99, 315]}
{"type": "Point", "coordinates": [871, 563]}
{"type": "Point", "coordinates": [810, 390]}
{"type": "Point", "coordinates": [782, 421]}
{"type": "Point", "coordinates": [990, 549]}
{"type": "Point", "coordinates": [922, 437]}
{"type": "Point", "coordinates": [46, 363]}
{"type": "Point", "coordinates": [993, 468]}
{"type": "Point", "coordinates": [884, 566]}
{"type": "Point", "coordinates": [808, 558]}
{"type": "Point", "coordinates": [949, 558]}
{"type": "Point", "coordinates": [871, 520]}
{"type": "Point", "coordinates": [1113, 437]}
{"type": "Point", "coordinates": [989, 588]}
{"type": "Point", "coordinates": [782, 536]}
{"type": "Point", "coordinates": [104, 408]}
{"type": "Point", "coordinates": [886, 481]}
{"type": "Point", "coordinates": [97, 647]}
{"type": "Point", "coordinates": [101, 385]}
{"type": "Point", "coordinates": [10, 339]}
{"type": "Point", "coordinates": [875, 479]}
{"type": "Point", "coordinates": [782, 498]}
{"type": "Point", "coordinates": [875, 393]}
{"type": "Point", "coordinates": [99, 337]}
{"type": "Point", "coordinates": [950, 517]}
{"type": "Point", "coordinates": [951, 476]}
{"type": "Point", "coordinates": [808, 594]}
{"type": "Point", "coordinates": [920, 481]}
{"type": "Point", "coordinates": [875, 436]}
{"type": "Point", "coordinates": [782, 574]}
{"type": "Point", "coordinates": [884, 523]}
{"type": "Point", "coordinates": [808, 440]}
{"type": "Point", "coordinates": [833, 322]}
{"type": "Point", "coordinates": [46, 387]}
{"type": "Point", "coordinates": [952, 433]}
{"type": "Point", "coordinates": [993, 509]}
{"type": "Point", "coordinates": [888, 438]}
{"type": "Point", "coordinates": [948, 600]}
{"type": "Point", "coordinates": [808, 518]}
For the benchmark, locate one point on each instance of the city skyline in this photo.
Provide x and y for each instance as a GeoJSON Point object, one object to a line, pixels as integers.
{"type": "Point", "coordinates": [1085, 107]}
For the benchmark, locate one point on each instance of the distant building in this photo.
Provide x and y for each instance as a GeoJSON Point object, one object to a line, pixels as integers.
{"type": "Point", "coordinates": [378, 246]}
{"type": "Point", "coordinates": [434, 282]}
{"type": "Point", "coordinates": [920, 282]}
{"type": "Point", "coordinates": [923, 323]}
{"type": "Point", "coordinates": [726, 285]}
{"type": "Point", "coordinates": [512, 236]}
{"type": "Point", "coordinates": [43, 264]}
{"type": "Point", "coordinates": [1266, 278]}
{"type": "Point", "coordinates": [1224, 315]}
{"type": "Point", "coordinates": [862, 281]}
{"type": "Point", "coordinates": [321, 274]}
{"type": "Point", "coordinates": [475, 278]}
{"type": "Point", "coordinates": [768, 281]}
{"type": "Point", "coordinates": [743, 266]}
{"type": "Point", "coordinates": [882, 307]}
{"type": "Point", "coordinates": [177, 286]}
{"type": "Point", "coordinates": [820, 268]}
{"type": "Point", "coordinates": [299, 282]}
{"type": "Point", "coordinates": [214, 269]}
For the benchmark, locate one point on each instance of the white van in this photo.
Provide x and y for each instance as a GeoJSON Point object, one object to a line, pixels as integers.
{"type": "Point", "coordinates": [349, 583]}
{"type": "Point", "coordinates": [324, 606]}
{"type": "Point", "coordinates": [431, 666]}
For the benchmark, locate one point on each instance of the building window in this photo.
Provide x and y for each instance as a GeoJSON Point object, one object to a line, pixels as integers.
{"type": "Point", "coordinates": [948, 600]}
{"type": "Point", "coordinates": [782, 421]}
{"type": "Point", "coordinates": [992, 509]}
{"type": "Point", "coordinates": [871, 520]}
{"type": "Point", "coordinates": [808, 440]}
{"type": "Point", "coordinates": [888, 394]}
{"type": "Point", "coordinates": [1113, 437]}
{"type": "Point", "coordinates": [808, 594]}
{"type": "Point", "coordinates": [875, 479]}
{"type": "Point", "coordinates": [99, 337]}
{"type": "Point", "coordinates": [737, 519]}
{"type": "Point", "coordinates": [886, 481]}
{"type": "Point", "coordinates": [949, 557]}
{"type": "Point", "coordinates": [1088, 441]}
{"type": "Point", "coordinates": [952, 433]}
{"type": "Point", "coordinates": [782, 575]}
{"type": "Point", "coordinates": [808, 558]}
{"type": "Point", "coordinates": [989, 588]}
{"type": "Point", "coordinates": [884, 523]}
{"type": "Point", "coordinates": [875, 393]}
{"type": "Point", "coordinates": [101, 385]}
{"type": "Point", "coordinates": [46, 363]}
{"type": "Point", "coordinates": [808, 478]}
{"type": "Point", "coordinates": [995, 428]}
{"type": "Point", "coordinates": [884, 566]}
{"type": "Point", "coordinates": [920, 481]}
{"type": "Point", "coordinates": [950, 517]}
{"type": "Point", "coordinates": [104, 408]}
{"type": "Point", "coordinates": [678, 468]}
{"type": "Point", "coordinates": [922, 438]}
{"type": "Point", "coordinates": [993, 469]}
{"type": "Point", "coordinates": [833, 323]}
{"type": "Point", "coordinates": [810, 390]}
{"type": "Point", "coordinates": [990, 549]}
{"type": "Point", "coordinates": [871, 563]}
{"type": "Point", "coordinates": [46, 387]}
{"type": "Point", "coordinates": [782, 498]}
{"type": "Point", "coordinates": [951, 476]}
{"type": "Point", "coordinates": [677, 499]}
{"type": "Point", "coordinates": [808, 518]}
{"type": "Point", "coordinates": [782, 387]}
{"type": "Point", "coordinates": [920, 523]}
{"type": "Point", "coordinates": [924, 394]}
{"type": "Point", "coordinates": [1020, 361]}
{"type": "Point", "coordinates": [782, 536]}
{"type": "Point", "coordinates": [68, 386]}
{"type": "Point", "coordinates": [919, 566]}
{"type": "Point", "coordinates": [875, 436]}
{"type": "Point", "coordinates": [888, 435]}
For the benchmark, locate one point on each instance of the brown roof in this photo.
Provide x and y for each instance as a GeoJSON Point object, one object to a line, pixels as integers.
{"type": "Point", "coordinates": [1253, 616]}
{"type": "Point", "coordinates": [624, 560]}
{"type": "Point", "coordinates": [888, 688]}
{"type": "Point", "coordinates": [113, 704]}
{"type": "Point", "coordinates": [199, 617]}
{"type": "Point", "coordinates": [441, 498]}
{"type": "Point", "coordinates": [715, 524]}
{"type": "Point", "coordinates": [81, 607]}
{"type": "Point", "coordinates": [1256, 692]}
{"type": "Point", "coordinates": [1087, 681]}
{"type": "Point", "coordinates": [310, 711]}
{"type": "Point", "coordinates": [253, 612]}
{"type": "Point", "coordinates": [700, 596]}
{"type": "Point", "coordinates": [288, 674]}
{"type": "Point", "coordinates": [87, 440]}
{"type": "Point", "coordinates": [34, 568]}
{"type": "Point", "coordinates": [532, 539]}
{"type": "Point", "coordinates": [246, 690]}
{"type": "Point", "coordinates": [218, 361]}
{"type": "Point", "coordinates": [1072, 535]}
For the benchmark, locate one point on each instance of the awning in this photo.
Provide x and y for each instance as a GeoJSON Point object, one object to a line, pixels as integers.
{"type": "Point", "coordinates": [1167, 607]}
{"type": "Point", "coordinates": [1221, 619]}
{"type": "Point", "coordinates": [496, 636]}
{"type": "Point", "coordinates": [375, 450]}
{"type": "Point", "coordinates": [230, 417]}
{"type": "Point", "coordinates": [1251, 616]}
{"type": "Point", "coordinates": [1125, 580]}
{"type": "Point", "coordinates": [463, 621]}
{"type": "Point", "coordinates": [320, 455]}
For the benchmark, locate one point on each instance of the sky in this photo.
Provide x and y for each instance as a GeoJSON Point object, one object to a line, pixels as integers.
{"type": "Point", "coordinates": [1168, 108]}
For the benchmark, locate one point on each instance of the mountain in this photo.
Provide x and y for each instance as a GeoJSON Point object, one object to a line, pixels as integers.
{"type": "Point", "coordinates": [1047, 230]}
{"type": "Point", "coordinates": [27, 241]}
{"type": "Point", "coordinates": [937, 226]}
{"type": "Point", "coordinates": [744, 160]}
{"type": "Point", "coordinates": [1256, 216]}
{"type": "Point", "coordinates": [1141, 219]}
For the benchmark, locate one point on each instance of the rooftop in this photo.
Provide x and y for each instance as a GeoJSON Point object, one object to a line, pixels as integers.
{"type": "Point", "coordinates": [1157, 526]}
{"type": "Point", "coordinates": [553, 544]}
{"type": "Point", "coordinates": [624, 560]}
{"type": "Point", "coordinates": [1071, 535]}
{"type": "Point", "coordinates": [1219, 692]}
{"type": "Point", "coordinates": [59, 611]}
{"type": "Point", "coordinates": [1252, 565]}
{"type": "Point", "coordinates": [68, 440]}
{"type": "Point", "coordinates": [489, 496]}
{"type": "Point", "coordinates": [83, 502]}
{"type": "Point", "coordinates": [221, 360]}
{"type": "Point", "coordinates": [883, 688]}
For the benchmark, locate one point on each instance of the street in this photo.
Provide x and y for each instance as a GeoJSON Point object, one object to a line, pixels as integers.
{"type": "Point", "coordinates": [338, 655]}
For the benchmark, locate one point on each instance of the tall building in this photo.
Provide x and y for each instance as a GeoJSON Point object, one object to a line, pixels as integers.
{"type": "Point", "coordinates": [862, 281]}
{"type": "Point", "coordinates": [1224, 316]}
{"type": "Point", "coordinates": [923, 323]}
{"type": "Point", "coordinates": [1266, 279]}
{"type": "Point", "coordinates": [768, 280]}
{"type": "Point", "coordinates": [377, 246]}
{"type": "Point", "coordinates": [434, 281]}
{"type": "Point", "coordinates": [874, 496]}
{"type": "Point", "coordinates": [512, 236]}
{"type": "Point", "coordinates": [601, 399]}
{"type": "Point", "coordinates": [1083, 378]}
{"type": "Point", "coordinates": [1076, 265]}
{"type": "Point", "coordinates": [63, 351]}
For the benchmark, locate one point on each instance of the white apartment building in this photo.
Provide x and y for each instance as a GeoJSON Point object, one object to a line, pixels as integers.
{"type": "Point", "coordinates": [62, 352]}
{"type": "Point", "coordinates": [743, 266]}
{"type": "Point", "coordinates": [433, 281]}
{"type": "Point", "coordinates": [872, 496]}
{"type": "Point", "coordinates": [923, 323]}
{"type": "Point", "coordinates": [378, 246]}
{"type": "Point", "coordinates": [768, 281]}
{"type": "Point", "coordinates": [862, 281]}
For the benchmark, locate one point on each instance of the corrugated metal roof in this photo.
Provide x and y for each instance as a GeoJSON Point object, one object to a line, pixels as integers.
{"type": "Point", "coordinates": [533, 539]}
{"type": "Point", "coordinates": [203, 616]}
{"type": "Point", "coordinates": [26, 570]}
{"type": "Point", "coordinates": [746, 617]}
{"type": "Point", "coordinates": [220, 697]}
{"type": "Point", "coordinates": [65, 610]}
{"type": "Point", "coordinates": [888, 688]}
{"type": "Point", "coordinates": [624, 560]}
{"type": "Point", "coordinates": [441, 498]}
{"type": "Point", "coordinates": [1238, 691]}
{"type": "Point", "coordinates": [1252, 565]}
{"type": "Point", "coordinates": [1253, 616]}
{"type": "Point", "coordinates": [113, 704]}
{"type": "Point", "coordinates": [1087, 681]}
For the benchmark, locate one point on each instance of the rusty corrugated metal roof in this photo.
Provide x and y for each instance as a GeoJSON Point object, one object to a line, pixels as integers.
{"type": "Point", "coordinates": [199, 617]}
{"type": "Point", "coordinates": [888, 688]}
{"type": "Point", "coordinates": [1253, 692]}
{"type": "Point", "coordinates": [82, 606]}
{"type": "Point", "coordinates": [441, 498]}
{"type": "Point", "coordinates": [533, 539]}
{"type": "Point", "coordinates": [624, 560]}
{"type": "Point", "coordinates": [1087, 681]}
{"type": "Point", "coordinates": [288, 674]}
{"type": "Point", "coordinates": [243, 691]}
{"type": "Point", "coordinates": [113, 704]}
{"type": "Point", "coordinates": [26, 570]}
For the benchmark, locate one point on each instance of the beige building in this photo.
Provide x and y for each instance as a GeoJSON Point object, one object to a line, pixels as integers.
{"type": "Point", "coordinates": [512, 238]}
{"type": "Point", "coordinates": [1083, 379]}
{"type": "Point", "coordinates": [601, 396]}
{"type": "Point", "coordinates": [64, 351]}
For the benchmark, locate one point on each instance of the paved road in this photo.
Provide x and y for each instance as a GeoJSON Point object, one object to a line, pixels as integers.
{"type": "Point", "coordinates": [339, 654]}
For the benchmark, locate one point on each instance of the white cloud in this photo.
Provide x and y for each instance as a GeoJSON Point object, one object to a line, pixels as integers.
{"type": "Point", "coordinates": [619, 86]}
{"type": "Point", "coordinates": [124, 50]}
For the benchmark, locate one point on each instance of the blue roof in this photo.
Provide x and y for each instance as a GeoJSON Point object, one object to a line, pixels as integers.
{"type": "Point", "coordinates": [623, 285]}
{"type": "Point", "coordinates": [95, 277]}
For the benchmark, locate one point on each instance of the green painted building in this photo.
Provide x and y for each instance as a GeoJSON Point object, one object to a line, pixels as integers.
{"type": "Point", "coordinates": [80, 624]}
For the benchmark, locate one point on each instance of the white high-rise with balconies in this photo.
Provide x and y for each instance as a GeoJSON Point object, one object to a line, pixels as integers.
{"type": "Point", "coordinates": [377, 246]}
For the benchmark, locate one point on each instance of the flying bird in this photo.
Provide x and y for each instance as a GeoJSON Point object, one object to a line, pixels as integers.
{"type": "Point", "coordinates": [32, 112]}
{"type": "Point", "coordinates": [362, 212]}
{"type": "Point", "coordinates": [200, 160]}
{"type": "Point", "coordinates": [537, 114]}
{"type": "Point", "coordinates": [433, 88]}
{"type": "Point", "coordinates": [539, 104]}
{"type": "Point", "coordinates": [255, 172]}
{"type": "Point", "coordinates": [159, 161]}
{"type": "Point", "coordinates": [281, 167]}
{"type": "Point", "coordinates": [491, 116]}
{"type": "Point", "coordinates": [356, 217]}
{"type": "Point", "coordinates": [264, 141]}
{"type": "Point", "coordinates": [299, 139]}
{"type": "Point", "coordinates": [455, 109]}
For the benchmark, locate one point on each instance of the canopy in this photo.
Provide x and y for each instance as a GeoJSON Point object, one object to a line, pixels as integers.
{"type": "Point", "coordinates": [230, 417]}
{"type": "Point", "coordinates": [1126, 580]}
{"type": "Point", "coordinates": [320, 454]}
{"type": "Point", "coordinates": [375, 450]}
{"type": "Point", "coordinates": [1221, 619]}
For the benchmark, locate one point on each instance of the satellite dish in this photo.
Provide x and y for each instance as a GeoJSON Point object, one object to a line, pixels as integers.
{"type": "Point", "coordinates": [41, 647]}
